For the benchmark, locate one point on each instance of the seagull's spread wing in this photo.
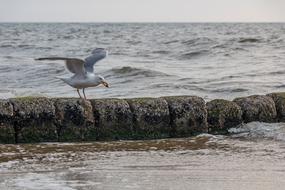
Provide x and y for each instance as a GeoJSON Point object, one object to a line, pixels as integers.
{"type": "Point", "coordinates": [97, 55]}
{"type": "Point", "coordinates": [74, 65]}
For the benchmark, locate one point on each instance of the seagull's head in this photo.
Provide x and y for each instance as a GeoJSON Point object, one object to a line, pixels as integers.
{"type": "Point", "coordinates": [103, 81]}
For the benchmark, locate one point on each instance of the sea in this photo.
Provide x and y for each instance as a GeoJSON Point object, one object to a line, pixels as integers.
{"type": "Point", "coordinates": [215, 60]}
{"type": "Point", "coordinates": [210, 60]}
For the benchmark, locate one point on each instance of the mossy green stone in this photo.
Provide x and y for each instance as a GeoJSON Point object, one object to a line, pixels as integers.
{"type": "Point", "coordinates": [257, 108]}
{"type": "Point", "coordinates": [188, 115]}
{"type": "Point", "coordinates": [36, 132]}
{"type": "Point", "coordinates": [74, 118]}
{"type": "Point", "coordinates": [7, 132]}
{"type": "Point", "coordinates": [113, 119]}
{"type": "Point", "coordinates": [150, 118]}
{"type": "Point", "coordinates": [36, 108]}
{"type": "Point", "coordinates": [279, 99]}
{"type": "Point", "coordinates": [222, 115]}
{"type": "Point", "coordinates": [33, 118]}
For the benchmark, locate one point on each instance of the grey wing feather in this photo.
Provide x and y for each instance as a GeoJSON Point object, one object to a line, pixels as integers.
{"type": "Point", "coordinates": [74, 65]}
{"type": "Point", "coordinates": [97, 55]}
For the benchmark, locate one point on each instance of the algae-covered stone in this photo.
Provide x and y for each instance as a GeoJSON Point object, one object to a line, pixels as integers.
{"type": "Point", "coordinates": [7, 132]}
{"type": "Point", "coordinates": [188, 115]}
{"type": "Point", "coordinates": [279, 100]}
{"type": "Point", "coordinates": [113, 119]}
{"type": "Point", "coordinates": [223, 114]}
{"type": "Point", "coordinates": [6, 111]}
{"type": "Point", "coordinates": [34, 108]}
{"type": "Point", "coordinates": [150, 117]}
{"type": "Point", "coordinates": [257, 108]}
{"type": "Point", "coordinates": [33, 118]}
{"type": "Point", "coordinates": [73, 118]}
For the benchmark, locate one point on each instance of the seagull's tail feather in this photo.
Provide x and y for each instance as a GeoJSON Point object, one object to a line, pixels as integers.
{"type": "Point", "coordinates": [64, 79]}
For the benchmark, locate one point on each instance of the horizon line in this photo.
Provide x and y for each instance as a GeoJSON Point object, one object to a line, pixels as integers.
{"type": "Point", "coordinates": [149, 22]}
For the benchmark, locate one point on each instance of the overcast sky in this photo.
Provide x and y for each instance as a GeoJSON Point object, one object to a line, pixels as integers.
{"type": "Point", "coordinates": [142, 10]}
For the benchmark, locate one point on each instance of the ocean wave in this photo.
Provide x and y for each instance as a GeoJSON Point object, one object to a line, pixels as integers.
{"type": "Point", "coordinates": [194, 54]}
{"type": "Point", "coordinates": [224, 90]}
{"type": "Point", "coordinates": [197, 41]}
{"type": "Point", "coordinates": [258, 130]}
{"type": "Point", "coordinates": [161, 52]}
{"type": "Point", "coordinates": [7, 46]}
{"type": "Point", "coordinates": [171, 42]}
{"type": "Point", "coordinates": [132, 42]}
{"type": "Point", "coordinates": [133, 71]}
{"type": "Point", "coordinates": [107, 31]}
{"type": "Point", "coordinates": [249, 40]}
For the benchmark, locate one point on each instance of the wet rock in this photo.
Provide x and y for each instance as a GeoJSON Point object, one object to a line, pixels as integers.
{"type": "Point", "coordinates": [33, 119]}
{"type": "Point", "coordinates": [7, 132]}
{"type": "Point", "coordinates": [188, 115]}
{"type": "Point", "coordinates": [257, 108]}
{"type": "Point", "coordinates": [279, 99]}
{"type": "Point", "coordinates": [222, 115]}
{"type": "Point", "coordinates": [150, 117]}
{"type": "Point", "coordinates": [113, 119]}
{"type": "Point", "coordinates": [74, 118]}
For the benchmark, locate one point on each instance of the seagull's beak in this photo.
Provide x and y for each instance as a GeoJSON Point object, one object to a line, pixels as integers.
{"type": "Point", "coordinates": [105, 84]}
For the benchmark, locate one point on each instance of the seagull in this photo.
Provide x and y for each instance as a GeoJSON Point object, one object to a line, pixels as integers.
{"type": "Point", "coordinates": [83, 71]}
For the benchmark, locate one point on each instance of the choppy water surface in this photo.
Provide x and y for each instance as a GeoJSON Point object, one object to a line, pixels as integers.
{"type": "Point", "coordinates": [209, 60]}
{"type": "Point", "coordinates": [252, 157]}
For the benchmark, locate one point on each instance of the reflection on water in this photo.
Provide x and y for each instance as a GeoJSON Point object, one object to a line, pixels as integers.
{"type": "Point", "coordinates": [252, 157]}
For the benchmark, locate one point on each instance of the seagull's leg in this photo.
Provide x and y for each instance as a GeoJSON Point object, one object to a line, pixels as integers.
{"type": "Point", "coordinates": [84, 94]}
{"type": "Point", "coordinates": [79, 93]}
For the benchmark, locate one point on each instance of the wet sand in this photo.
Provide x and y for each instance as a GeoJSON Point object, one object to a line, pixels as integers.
{"type": "Point", "coordinates": [202, 162]}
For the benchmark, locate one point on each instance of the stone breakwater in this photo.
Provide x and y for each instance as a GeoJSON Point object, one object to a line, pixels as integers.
{"type": "Point", "coordinates": [39, 119]}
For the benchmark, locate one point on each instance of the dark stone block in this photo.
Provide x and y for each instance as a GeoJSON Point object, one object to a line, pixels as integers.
{"type": "Point", "coordinates": [113, 119]}
{"type": "Point", "coordinates": [257, 108]}
{"type": "Point", "coordinates": [150, 117]}
{"type": "Point", "coordinates": [74, 118]}
{"type": "Point", "coordinates": [7, 132]}
{"type": "Point", "coordinates": [222, 115]}
{"type": "Point", "coordinates": [33, 118]}
{"type": "Point", "coordinates": [279, 100]}
{"type": "Point", "coordinates": [188, 115]}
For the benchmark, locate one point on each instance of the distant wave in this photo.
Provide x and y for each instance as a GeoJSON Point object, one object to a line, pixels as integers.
{"type": "Point", "coordinates": [132, 71]}
{"type": "Point", "coordinates": [249, 40]}
{"type": "Point", "coordinates": [201, 40]}
{"type": "Point", "coordinates": [171, 41]}
{"type": "Point", "coordinates": [6, 46]}
{"type": "Point", "coordinates": [161, 52]}
{"type": "Point", "coordinates": [194, 54]}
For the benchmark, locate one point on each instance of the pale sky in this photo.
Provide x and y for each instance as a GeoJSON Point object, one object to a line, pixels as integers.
{"type": "Point", "coordinates": [142, 10]}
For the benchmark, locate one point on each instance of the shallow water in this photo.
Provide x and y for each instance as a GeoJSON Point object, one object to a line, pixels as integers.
{"type": "Point", "coordinates": [208, 60]}
{"type": "Point", "coordinates": [252, 157]}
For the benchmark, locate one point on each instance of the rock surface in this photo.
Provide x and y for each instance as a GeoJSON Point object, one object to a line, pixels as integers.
{"type": "Point", "coordinates": [113, 119]}
{"type": "Point", "coordinates": [150, 117]}
{"type": "Point", "coordinates": [33, 118]}
{"type": "Point", "coordinates": [257, 108]}
{"type": "Point", "coordinates": [74, 117]}
{"type": "Point", "coordinates": [39, 119]}
{"type": "Point", "coordinates": [279, 99]}
{"type": "Point", "coordinates": [7, 132]}
{"type": "Point", "coordinates": [188, 115]}
{"type": "Point", "coordinates": [222, 115]}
